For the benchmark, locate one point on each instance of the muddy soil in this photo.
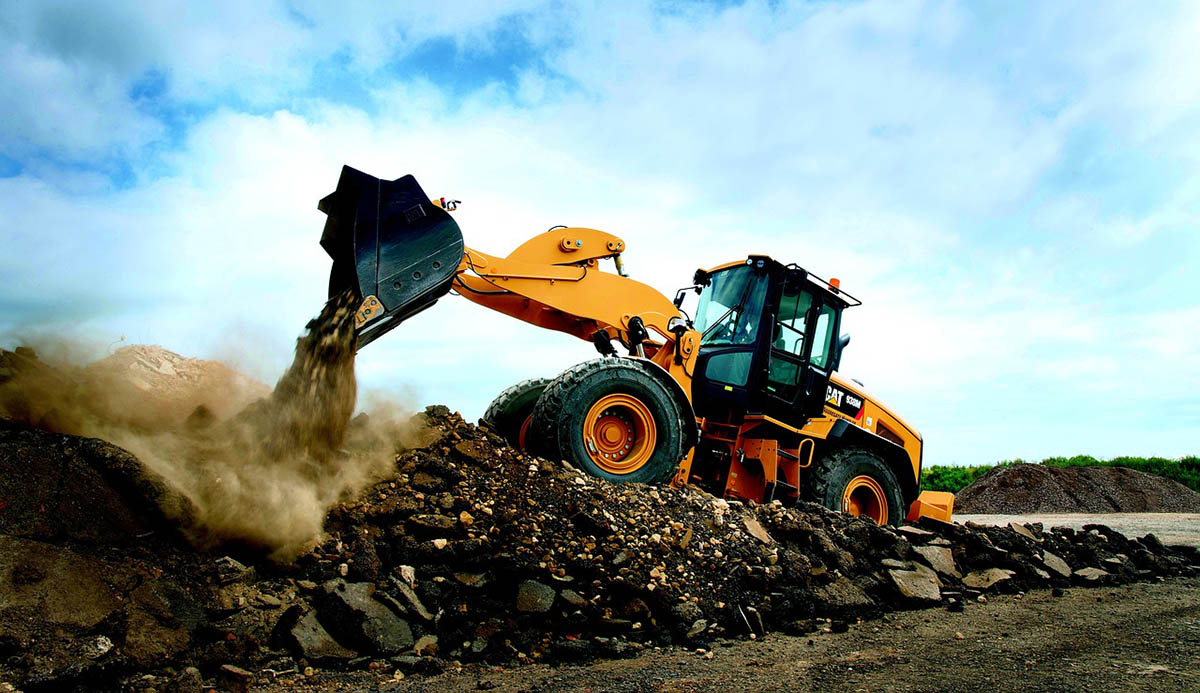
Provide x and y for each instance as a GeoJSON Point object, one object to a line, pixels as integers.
{"type": "Point", "coordinates": [1137, 637]}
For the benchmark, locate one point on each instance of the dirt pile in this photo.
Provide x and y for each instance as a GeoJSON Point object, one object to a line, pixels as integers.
{"type": "Point", "coordinates": [1034, 488]}
{"type": "Point", "coordinates": [265, 473]}
{"type": "Point", "coordinates": [169, 385]}
{"type": "Point", "coordinates": [478, 552]}
{"type": "Point", "coordinates": [139, 387]}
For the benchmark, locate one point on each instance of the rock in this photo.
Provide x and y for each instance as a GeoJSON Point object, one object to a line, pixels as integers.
{"type": "Point", "coordinates": [234, 678]}
{"type": "Point", "coordinates": [266, 601]}
{"type": "Point", "coordinates": [157, 625]}
{"type": "Point", "coordinates": [435, 524]}
{"type": "Point", "coordinates": [918, 585]}
{"type": "Point", "coordinates": [697, 628]}
{"type": "Point", "coordinates": [427, 482]}
{"type": "Point", "coordinates": [938, 526]}
{"type": "Point", "coordinates": [97, 647]}
{"type": "Point", "coordinates": [939, 558]}
{"type": "Point", "coordinates": [841, 595]}
{"type": "Point", "coordinates": [533, 596]}
{"type": "Point", "coordinates": [75, 591]}
{"type": "Point", "coordinates": [986, 579]}
{"type": "Point", "coordinates": [310, 640]}
{"type": "Point", "coordinates": [188, 681]}
{"type": "Point", "coordinates": [472, 579]}
{"type": "Point", "coordinates": [756, 529]}
{"type": "Point", "coordinates": [894, 564]}
{"type": "Point", "coordinates": [916, 535]}
{"type": "Point", "coordinates": [58, 488]}
{"type": "Point", "coordinates": [1091, 574]}
{"type": "Point", "coordinates": [354, 616]}
{"type": "Point", "coordinates": [1113, 564]}
{"type": "Point", "coordinates": [573, 598]}
{"type": "Point", "coordinates": [230, 570]}
{"type": "Point", "coordinates": [1056, 564]}
{"type": "Point", "coordinates": [414, 602]}
{"type": "Point", "coordinates": [426, 645]}
{"type": "Point", "coordinates": [1022, 530]}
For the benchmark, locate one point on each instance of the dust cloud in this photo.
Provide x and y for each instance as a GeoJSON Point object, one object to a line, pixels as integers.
{"type": "Point", "coordinates": [244, 463]}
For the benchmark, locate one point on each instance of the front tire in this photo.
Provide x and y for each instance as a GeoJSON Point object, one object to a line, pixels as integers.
{"type": "Point", "coordinates": [613, 419]}
{"type": "Point", "coordinates": [858, 482]}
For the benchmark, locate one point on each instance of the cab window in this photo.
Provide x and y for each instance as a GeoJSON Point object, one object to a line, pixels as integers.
{"type": "Point", "coordinates": [783, 378]}
{"type": "Point", "coordinates": [789, 329]}
{"type": "Point", "coordinates": [823, 334]}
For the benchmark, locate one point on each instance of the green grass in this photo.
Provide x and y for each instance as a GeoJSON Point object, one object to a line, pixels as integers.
{"type": "Point", "coordinates": [1185, 470]}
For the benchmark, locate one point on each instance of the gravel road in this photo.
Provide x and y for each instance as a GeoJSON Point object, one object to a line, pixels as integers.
{"type": "Point", "coordinates": [1170, 528]}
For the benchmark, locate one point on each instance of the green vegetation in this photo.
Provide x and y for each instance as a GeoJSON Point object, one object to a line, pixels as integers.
{"type": "Point", "coordinates": [954, 479]}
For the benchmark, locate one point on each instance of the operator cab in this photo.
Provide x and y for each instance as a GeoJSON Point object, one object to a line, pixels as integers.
{"type": "Point", "coordinates": [769, 341]}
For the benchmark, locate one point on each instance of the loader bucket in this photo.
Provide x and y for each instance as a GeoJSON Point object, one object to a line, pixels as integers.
{"type": "Point", "coordinates": [392, 245]}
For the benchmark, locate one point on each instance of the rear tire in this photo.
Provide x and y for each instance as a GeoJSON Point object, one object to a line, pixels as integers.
{"type": "Point", "coordinates": [613, 419]}
{"type": "Point", "coordinates": [510, 412]}
{"type": "Point", "coordinates": [858, 482]}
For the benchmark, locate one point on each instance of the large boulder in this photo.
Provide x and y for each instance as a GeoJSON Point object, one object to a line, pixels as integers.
{"type": "Point", "coordinates": [350, 612]}
{"type": "Point", "coordinates": [66, 488]}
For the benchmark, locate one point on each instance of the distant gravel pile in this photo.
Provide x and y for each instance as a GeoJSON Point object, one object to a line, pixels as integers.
{"type": "Point", "coordinates": [1033, 488]}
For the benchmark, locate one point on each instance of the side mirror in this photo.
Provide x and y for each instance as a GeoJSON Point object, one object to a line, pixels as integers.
{"type": "Point", "coordinates": [843, 341]}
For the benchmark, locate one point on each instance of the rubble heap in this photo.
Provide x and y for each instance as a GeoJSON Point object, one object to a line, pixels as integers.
{"type": "Point", "coordinates": [475, 551]}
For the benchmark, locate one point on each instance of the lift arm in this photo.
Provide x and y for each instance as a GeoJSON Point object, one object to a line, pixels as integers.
{"type": "Point", "coordinates": [402, 252]}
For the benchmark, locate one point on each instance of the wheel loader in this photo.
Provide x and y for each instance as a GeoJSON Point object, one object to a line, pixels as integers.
{"type": "Point", "coordinates": [741, 399]}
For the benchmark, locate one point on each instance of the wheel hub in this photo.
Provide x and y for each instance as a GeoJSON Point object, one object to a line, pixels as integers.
{"type": "Point", "coordinates": [864, 497]}
{"type": "Point", "coordinates": [619, 433]}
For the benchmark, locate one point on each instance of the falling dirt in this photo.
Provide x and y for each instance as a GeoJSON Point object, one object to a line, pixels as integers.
{"type": "Point", "coordinates": [264, 476]}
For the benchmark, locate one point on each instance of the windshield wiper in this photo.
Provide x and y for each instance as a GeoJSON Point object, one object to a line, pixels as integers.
{"type": "Point", "coordinates": [737, 306]}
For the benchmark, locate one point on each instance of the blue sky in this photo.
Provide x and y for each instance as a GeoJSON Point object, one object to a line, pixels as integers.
{"type": "Point", "coordinates": [1011, 188]}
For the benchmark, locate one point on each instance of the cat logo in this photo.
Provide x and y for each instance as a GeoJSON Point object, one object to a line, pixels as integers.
{"type": "Point", "coordinates": [845, 402]}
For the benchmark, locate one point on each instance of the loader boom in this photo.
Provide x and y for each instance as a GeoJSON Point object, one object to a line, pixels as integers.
{"type": "Point", "coordinates": [401, 252]}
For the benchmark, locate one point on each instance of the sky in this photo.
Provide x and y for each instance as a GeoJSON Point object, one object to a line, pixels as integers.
{"type": "Point", "coordinates": [1011, 188]}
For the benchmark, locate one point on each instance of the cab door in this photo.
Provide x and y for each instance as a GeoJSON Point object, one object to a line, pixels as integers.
{"type": "Point", "coordinates": [801, 353]}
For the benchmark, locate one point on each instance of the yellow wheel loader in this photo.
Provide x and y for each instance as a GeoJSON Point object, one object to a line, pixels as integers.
{"type": "Point", "coordinates": [742, 399]}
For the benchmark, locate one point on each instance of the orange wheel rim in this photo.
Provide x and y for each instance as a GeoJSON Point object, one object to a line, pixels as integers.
{"type": "Point", "coordinates": [524, 431]}
{"type": "Point", "coordinates": [619, 433]}
{"type": "Point", "coordinates": [864, 497]}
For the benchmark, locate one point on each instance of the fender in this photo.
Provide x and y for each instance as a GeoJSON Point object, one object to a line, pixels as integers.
{"type": "Point", "coordinates": [894, 455]}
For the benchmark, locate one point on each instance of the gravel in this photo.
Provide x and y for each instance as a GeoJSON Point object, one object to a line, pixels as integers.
{"type": "Point", "coordinates": [1035, 488]}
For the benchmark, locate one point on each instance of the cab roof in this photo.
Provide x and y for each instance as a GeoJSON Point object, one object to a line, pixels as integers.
{"type": "Point", "coordinates": [829, 288]}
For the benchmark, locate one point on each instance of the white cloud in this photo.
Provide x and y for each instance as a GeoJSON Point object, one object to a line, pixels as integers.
{"type": "Point", "coordinates": [866, 141]}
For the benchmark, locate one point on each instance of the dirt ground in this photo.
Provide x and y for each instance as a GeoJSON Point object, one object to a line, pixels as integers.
{"type": "Point", "coordinates": [1137, 637]}
{"type": "Point", "coordinates": [1170, 528]}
